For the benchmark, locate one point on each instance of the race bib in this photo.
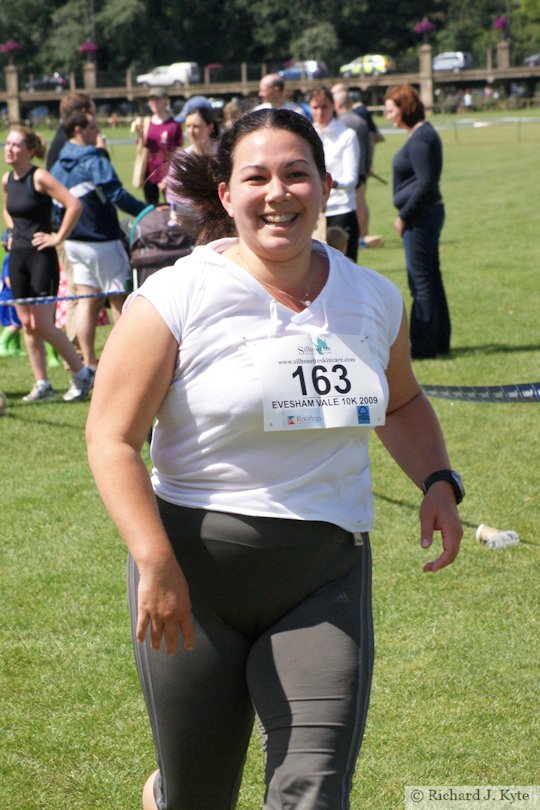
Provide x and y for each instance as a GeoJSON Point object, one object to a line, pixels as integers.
{"type": "Point", "coordinates": [313, 383]}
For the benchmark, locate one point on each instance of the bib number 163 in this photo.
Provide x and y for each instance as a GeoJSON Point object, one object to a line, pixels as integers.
{"type": "Point", "coordinates": [324, 380]}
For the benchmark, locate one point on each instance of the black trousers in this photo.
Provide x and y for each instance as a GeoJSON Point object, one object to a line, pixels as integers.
{"type": "Point", "coordinates": [430, 327]}
{"type": "Point", "coordinates": [349, 223]}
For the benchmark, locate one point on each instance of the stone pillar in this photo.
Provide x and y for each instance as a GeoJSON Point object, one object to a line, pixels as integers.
{"type": "Point", "coordinates": [503, 54]}
{"type": "Point", "coordinates": [426, 76]}
{"type": "Point", "coordinates": [12, 92]}
{"type": "Point", "coordinates": [89, 75]}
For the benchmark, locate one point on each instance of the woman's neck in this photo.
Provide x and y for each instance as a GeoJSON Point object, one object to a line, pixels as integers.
{"type": "Point", "coordinates": [416, 126]}
{"type": "Point", "coordinates": [292, 270]}
{"type": "Point", "coordinates": [298, 279]}
{"type": "Point", "coordinates": [21, 169]}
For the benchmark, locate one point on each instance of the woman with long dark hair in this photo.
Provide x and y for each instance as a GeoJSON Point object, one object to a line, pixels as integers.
{"type": "Point", "coordinates": [272, 358]}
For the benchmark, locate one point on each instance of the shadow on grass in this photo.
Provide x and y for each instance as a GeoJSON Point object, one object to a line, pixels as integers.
{"type": "Point", "coordinates": [34, 412]}
{"type": "Point", "coordinates": [492, 348]}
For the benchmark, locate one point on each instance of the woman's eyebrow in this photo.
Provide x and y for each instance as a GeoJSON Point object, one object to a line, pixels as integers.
{"type": "Point", "coordinates": [259, 167]}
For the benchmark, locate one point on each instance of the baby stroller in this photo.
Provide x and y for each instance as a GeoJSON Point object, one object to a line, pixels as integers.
{"type": "Point", "coordinates": [155, 241]}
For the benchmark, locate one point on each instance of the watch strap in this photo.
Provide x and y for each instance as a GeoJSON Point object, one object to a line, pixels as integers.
{"type": "Point", "coordinates": [450, 477]}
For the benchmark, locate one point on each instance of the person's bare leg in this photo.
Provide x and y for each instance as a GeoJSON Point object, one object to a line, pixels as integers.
{"type": "Point", "coordinates": [34, 343]}
{"type": "Point", "coordinates": [42, 323]}
{"type": "Point", "coordinates": [116, 303]}
{"type": "Point", "coordinates": [85, 318]}
{"type": "Point", "coordinates": [39, 326]}
{"type": "Point", "coordinates": [148, 801]}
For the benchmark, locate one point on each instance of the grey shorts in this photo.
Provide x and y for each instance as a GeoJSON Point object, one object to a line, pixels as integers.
{"type": "Point", "coordinates": [283, 626]}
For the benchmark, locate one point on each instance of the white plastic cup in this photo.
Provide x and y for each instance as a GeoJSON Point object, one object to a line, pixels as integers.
{"type": "Point", "coordinates": [496, 538]}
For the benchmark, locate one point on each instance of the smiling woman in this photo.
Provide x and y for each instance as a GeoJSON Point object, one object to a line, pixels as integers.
{"type": "Point", "coordinates": [273, 356]}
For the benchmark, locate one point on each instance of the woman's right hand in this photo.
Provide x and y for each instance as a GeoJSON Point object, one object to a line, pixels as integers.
{"type": "Point", "coordinates": [165, 606]}
{"type": "Point", "coordinates": [399, 225]}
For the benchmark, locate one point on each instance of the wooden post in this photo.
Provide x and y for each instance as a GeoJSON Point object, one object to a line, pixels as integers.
{"type": "Point", "coordinates": [12, 92]}
{"type": "Point", "coordinates": [426, 76]}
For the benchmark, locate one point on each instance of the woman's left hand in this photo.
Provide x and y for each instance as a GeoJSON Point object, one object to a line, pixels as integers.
{"type": "Point", "coordinates": [42, 240]}
{"type": "Point", "coordinates": [438, 512]}
{"type": "Point", "coordinates": [399, 225]}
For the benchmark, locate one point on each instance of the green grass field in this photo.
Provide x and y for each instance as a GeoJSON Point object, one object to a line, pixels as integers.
{"type": "Point", "coordinates": [455, 694]}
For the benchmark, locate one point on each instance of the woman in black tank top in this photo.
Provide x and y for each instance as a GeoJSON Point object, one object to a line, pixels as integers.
{"type": "Point", "coordinates": [28, 199]}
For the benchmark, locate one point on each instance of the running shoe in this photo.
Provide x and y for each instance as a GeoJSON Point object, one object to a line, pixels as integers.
{"type": "Point", "coordinates": [82, 383]}
{"type": "Point", "coordinates": [41, 391]}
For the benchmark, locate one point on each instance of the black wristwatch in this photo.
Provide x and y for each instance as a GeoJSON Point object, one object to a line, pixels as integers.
{"type": "Point", "coordinates": [453, 478]}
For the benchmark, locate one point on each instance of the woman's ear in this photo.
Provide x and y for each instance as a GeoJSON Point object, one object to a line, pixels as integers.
{"type": "Point", "coordinates": [225, 198]}
{"type": "Point", "coordinates": [327, 187]}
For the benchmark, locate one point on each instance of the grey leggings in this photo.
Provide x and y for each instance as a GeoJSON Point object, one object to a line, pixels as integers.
{"type": "Point", "coordinates": [283, 625]}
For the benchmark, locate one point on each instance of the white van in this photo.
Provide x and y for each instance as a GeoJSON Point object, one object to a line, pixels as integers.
{"type": "Point", "coordinates": [452, 60]}
{"type": "Point", "coordinates": [175, 75]}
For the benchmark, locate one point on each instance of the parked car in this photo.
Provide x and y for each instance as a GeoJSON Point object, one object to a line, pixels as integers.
{"type": "Point", "coordinates": [452, 60]}
{"type": "Point", "coordinates": [532, 61]}
{"type": "Point", "coordinates": [372, 64]}
{"type": "Point", "coordinates": [52, 81]}
{"type": "Point", "coordinates": [310, 69]}
{"type": "Point", "coordinates": [175, 75]}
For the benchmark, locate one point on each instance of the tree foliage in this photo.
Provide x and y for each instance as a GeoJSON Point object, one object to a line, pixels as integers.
{"type": "Point", "coordinates": [144, 33]}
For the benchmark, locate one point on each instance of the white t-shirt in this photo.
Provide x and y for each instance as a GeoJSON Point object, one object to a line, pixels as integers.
{"type": "Point", "coordinates": [342, 157]}
{"type": "Point", "coordinates": [209, 447]}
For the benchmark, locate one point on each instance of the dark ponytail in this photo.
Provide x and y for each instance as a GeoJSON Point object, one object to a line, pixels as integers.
{"type": "Point", "coordinates": [193, 180]}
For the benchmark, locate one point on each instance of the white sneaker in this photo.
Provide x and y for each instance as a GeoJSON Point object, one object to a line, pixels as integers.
{"type": "Point", "coordinates": [82, 383]}
{"type": "Point", "coordinates": [41, 391]}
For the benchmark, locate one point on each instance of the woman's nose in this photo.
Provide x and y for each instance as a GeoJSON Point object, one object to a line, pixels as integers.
{"type": "Point", "coordinates": [277, 189]}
